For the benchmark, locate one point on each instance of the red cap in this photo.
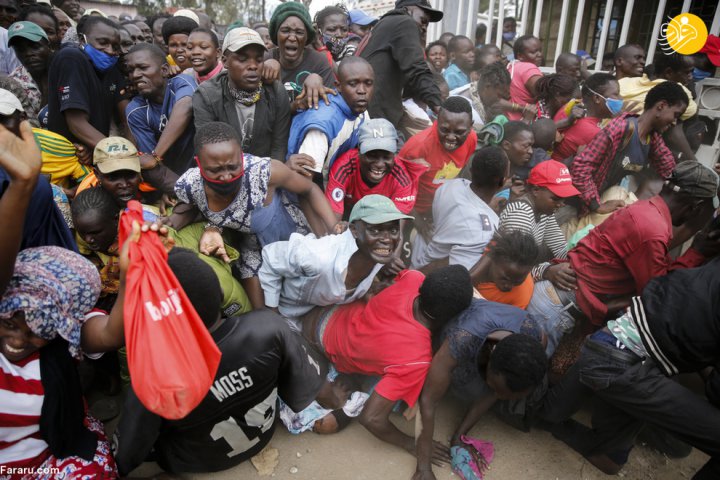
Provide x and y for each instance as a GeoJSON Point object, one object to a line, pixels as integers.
{"type": "Point", "coordinates": [712, 49]}
{"type": "Point", "coordinates": [555, 177]}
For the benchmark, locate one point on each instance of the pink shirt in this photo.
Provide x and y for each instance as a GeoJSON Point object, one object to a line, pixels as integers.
{"type": "Point", "coordinates": [521, 72]}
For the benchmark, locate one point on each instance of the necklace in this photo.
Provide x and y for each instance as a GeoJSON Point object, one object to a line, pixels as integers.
{"type": "Point", "coordinates": [244, 97]}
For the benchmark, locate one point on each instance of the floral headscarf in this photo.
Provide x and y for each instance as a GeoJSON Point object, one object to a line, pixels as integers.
{"type": "Point", "coordinates": [54, 288]}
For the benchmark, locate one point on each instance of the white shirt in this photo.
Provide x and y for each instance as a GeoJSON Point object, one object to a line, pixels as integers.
{"type": "Point", "coordinates": [305, 271]}
{"type": "Point", "coordinates": [464, 224]}
{"type": "Point", "coordinates": [8, 59]}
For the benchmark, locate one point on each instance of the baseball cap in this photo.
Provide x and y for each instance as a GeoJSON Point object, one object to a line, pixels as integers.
{"type": "Point", "coordinates": [241, 37]}
{"type": "Point", "coordinates": [695, 179]}
{"type": "Point", "coordinates": [28, 30]}
{"type": "Point", "coordinates": [554, 176]}
{"type": "Point", "coordinates": [712, 49]}
{"type": "Point", "coordinates": [435, 15]}
{"type": "Point", "coordinates": [375, 209]}
{"type": "Point", "coordinates": [377, 134]}
{"type": "Point", "coordinates": [116, 153]}
{"type": "Point", "coordinates": [187, 13]}
{"type": "Point", "coordinates": [9, 103]}
{"type": "Point", "coordinates": [359, 17]}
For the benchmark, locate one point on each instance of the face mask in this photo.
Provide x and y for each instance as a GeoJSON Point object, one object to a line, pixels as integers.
{"type": "Point", "coordinates": [699, 75]}
{"type": "Point", "coordinates": [508, 36]}
{"type": "Point", "coordinates": [334, 44]}
{"type": "Point", "coordinates": [614, 105]}
{"type": "Point", "coordinates": [223, 188]}
{"type": "Point", "coordinates": [101, 60]}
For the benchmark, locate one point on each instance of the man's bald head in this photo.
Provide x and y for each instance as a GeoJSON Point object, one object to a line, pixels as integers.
{"type": "Point", "coordinates": [353, 64]}
{"type": "Point", "coordinates": [356, 83]}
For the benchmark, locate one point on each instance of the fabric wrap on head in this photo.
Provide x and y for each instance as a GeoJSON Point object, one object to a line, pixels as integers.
{"type": "Point", "coordinates": [54, 288]}
{"type": "Point", "coordinates": [291, 9]}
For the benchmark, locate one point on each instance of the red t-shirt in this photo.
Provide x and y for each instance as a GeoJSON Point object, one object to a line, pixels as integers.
{"type": "Point", "coordinates": [520, 73]}
{"type": "Point", "coordinates": [382, 337]}
{"type": "Point", "coordinates": [346, 187]}
{"type": "Point", "coordinates": [444, 165]}
{"type": "Point", "coordinates": [579, 134]}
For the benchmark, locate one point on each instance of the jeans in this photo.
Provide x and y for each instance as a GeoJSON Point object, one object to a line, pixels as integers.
{"type": "Point", "coordinates": [550, 307]}
{"type": "Point", "coordinates": [629, 393]}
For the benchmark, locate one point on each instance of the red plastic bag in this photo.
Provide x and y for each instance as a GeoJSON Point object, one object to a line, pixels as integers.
{"type": "Point", "coordinates": [171, 355]}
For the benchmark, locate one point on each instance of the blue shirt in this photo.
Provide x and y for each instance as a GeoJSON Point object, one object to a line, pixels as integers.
{"type": "Point", "coordinates": [455, 77]}
{"type": "Point", "coordinates": [147, 121]}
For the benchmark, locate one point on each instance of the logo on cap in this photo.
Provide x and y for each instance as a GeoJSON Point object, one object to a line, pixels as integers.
{"type": "Point", "coordinates": [378, 133]}
{"type": "Point", "coordinates": [18, 26]}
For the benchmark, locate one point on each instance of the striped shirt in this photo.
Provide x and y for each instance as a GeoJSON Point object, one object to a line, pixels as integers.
{"type": "Point", "coordinates": [519, 216]}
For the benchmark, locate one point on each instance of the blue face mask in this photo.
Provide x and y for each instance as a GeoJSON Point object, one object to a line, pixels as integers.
{"type": "Point", "coordinates": [101, 60]}
{"type": "Point", "coordinates": [508, 36]}
{"type": "Point", "coordinates": [699, 75]}
{"type": "Point", "coordinates": [614, 105]}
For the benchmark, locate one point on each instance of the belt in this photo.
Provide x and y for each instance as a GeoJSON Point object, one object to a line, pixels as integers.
{"type": "Point", "coordinates": [598, 346]}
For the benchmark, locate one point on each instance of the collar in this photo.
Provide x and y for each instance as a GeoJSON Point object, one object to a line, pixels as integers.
{"type": "Point", "coordinates": [218, 68]}
{"type": "Point", "coordinates": [343, 106]}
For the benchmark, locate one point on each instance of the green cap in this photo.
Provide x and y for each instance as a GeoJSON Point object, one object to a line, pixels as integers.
{"type": "Point", "coordinates": [29, 30]}
{"type": "Point", "coordinates": [376, 209]}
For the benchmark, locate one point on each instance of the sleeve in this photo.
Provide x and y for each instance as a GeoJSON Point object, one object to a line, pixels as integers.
{"type": "Point", "coordinates": [281, 128]}
{"type": "Point", "coordinates": [337, 183]}
{"type": "Point", "coordinates": [316, 145]}
{"type": "Point", "coordinates": [202, 113]}
{"type": "Point", "coordinates": [690, 259]}
{"type": "Point", "coordinates": [184, 86]}
{"type": "Point", "coordinates": [692, 107]}
{"type": "Point", "coordinates": [410, 58]}
{"type": "Point", "coordinates": [555, 238]}
{"type": "Point", "coordinates": [250, 256]}
{"type": "Point", "coordinates": [529, 72]}
{"type": "Point", "coordinates": [144, 135]}
{"type": "Point", "coordinates": [466, 255]}
{"type": "Point", "coordinates": [587, 163]}
{"type": "Point", "coordinates": [135, 435]}
{"type": "Point", "coordinates": [403, 382]}
{"type": "Point", "coordinates": [302, 370]}
{"type": "Point", "coordinates": [464, 346]}
{"type": "Point", "coordinates": [712, 387]}
{"type": "Point", "coordinates": [661, 158]}
{"type": "Point", "coordinates": [517, 217]}
{"type": "Point", "coordinates": [289, 259]}
{"type": "Point", "coordinates": [72, 83]}
{"type": "Point", "coordinates": [648, 261]}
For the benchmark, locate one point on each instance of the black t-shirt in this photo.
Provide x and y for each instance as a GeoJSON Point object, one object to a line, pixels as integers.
{"type": "Point", "coordinates": [73, 83]}
{"type": "Point", "coordinates": [261, 360]}
{"type": "Point", "coordinates": [313, 62]}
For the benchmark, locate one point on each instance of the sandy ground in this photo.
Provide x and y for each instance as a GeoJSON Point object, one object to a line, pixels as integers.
{"type": "Point", "coordinates": [354, 454]}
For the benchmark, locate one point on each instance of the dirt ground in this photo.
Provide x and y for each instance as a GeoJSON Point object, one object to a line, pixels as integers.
{"type": "Point", "coordinates": [354, 454]}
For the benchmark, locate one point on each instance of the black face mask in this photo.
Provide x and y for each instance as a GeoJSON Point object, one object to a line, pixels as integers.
{"type": "Point", "coordinates": [225, 188]}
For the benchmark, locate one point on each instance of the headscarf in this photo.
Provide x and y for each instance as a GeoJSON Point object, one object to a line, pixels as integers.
{"type": "Point", "coordinates": [54, 288]}
{"type": "Point", "coordinates": [291, 9]}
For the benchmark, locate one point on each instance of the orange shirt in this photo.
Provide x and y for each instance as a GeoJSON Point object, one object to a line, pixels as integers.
{"type": "Point", "coordinates": [519, 296]}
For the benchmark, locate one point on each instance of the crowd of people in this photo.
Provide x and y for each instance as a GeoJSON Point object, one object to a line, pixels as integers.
{"type": "Point", "coordinates": [365, 222]}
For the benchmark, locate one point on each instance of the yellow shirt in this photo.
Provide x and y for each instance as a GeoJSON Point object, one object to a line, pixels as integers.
{"type": "Point", "coordinates": [636, 88]}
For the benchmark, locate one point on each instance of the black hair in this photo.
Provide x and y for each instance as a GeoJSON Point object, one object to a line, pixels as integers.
{"type": "Point", "coordinates": [436, 43]}
{"type": "Point", "coordinates": [155, 52]}
{"type": "Point", "coordinates": [94, 199]}
{"type": "Point", "coordinates": [620, 52]}
{"type": "Point", "coordinates": [151, 20]}
{"type": "Point", "coordinates": [520, 359]}
{"type": "Point", "coordinates": [40, 9]}
{"type": "Point", "coordinates": [480, 32]}
{"type": "Point", "coordinates": [513, 247]}
{"type": "Point", "coordinates": [544, 131]}
{"type": "Point", "coordinates": [513, 128]}
{"type": "Point", "coordinates": [565, 57]}
{"type": "Point", "coordinates": [347, 61]}
{"type": "Point", "coordinates": [555, 85]}
{"type": "Point", "coordinates": [210, 33]}
{"type": "Point", "coordinates": [87, 22]}
{"type": "Point", "coordinates": [199, 282]}
{"type": "Point", "coordinates": [445, 293]}
{"type": "Point", "coordinates": [453, 43]}
{"type": "Point", "coordinates": [488, 166]}
{"type": "Point", "coordinates": [669, 91]}
{"type": "Point", "coordinates": [439, 79]}
{"type": "Point", "coordinates": [597, 82]}
{"type": "Point", "coordinates": [323, 14]}
{"type": "Point", "coordinates": [214, 132]}
{"type": "Point", "coordinates": [519, 45]}
{"type": "Point", "coordinates": [509, 19]}
{"type": "Point", "coordinates": [178, 25]}
{"type": "Point", "coordinates": [446, 34]}
{"type": "Point", "coordinates": [493, 75]}
{"type": "Point", "coordinates": [457, 105]}
{"type": "Point", "coordinates": [674, 61]}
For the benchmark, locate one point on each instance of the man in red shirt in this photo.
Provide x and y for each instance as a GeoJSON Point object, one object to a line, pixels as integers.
{"type": "Point", "coordinates": [372, 168]}
{"type": "Point", "coordinates": [390, 337]}
{"type": "Point", "coordinates": [447, 147]}
{"type": "Point", "coordinates": [619, 257]}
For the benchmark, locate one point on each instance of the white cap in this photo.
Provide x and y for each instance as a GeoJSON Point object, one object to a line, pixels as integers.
{"type": "Point", "coordinates": [185, 12]}
{"type": "Point", "coordinates": [241, 37]}
{"type": "Point", "coordinates": [9, 103]}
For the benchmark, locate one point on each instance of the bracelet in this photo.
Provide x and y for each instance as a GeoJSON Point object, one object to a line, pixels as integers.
{"type": "Point", "coordinates": [514, 107]}
{"type": "Point", "coordinates": [213, 227]}
{"type": "Point", "coordinates": [158, 159]}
